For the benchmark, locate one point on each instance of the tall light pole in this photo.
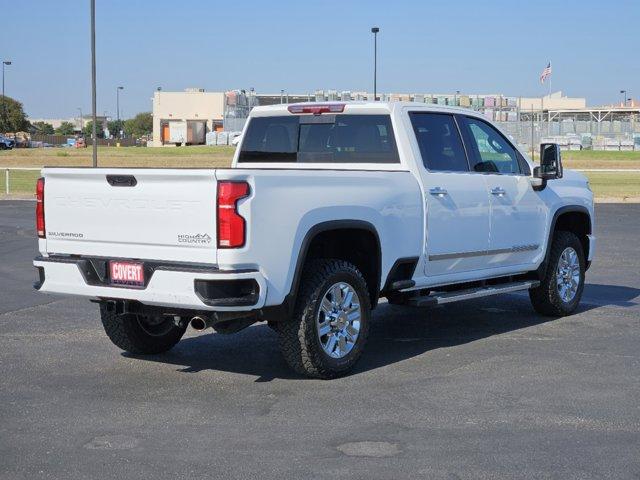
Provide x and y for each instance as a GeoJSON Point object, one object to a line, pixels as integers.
{"type": "Point", "coordinates": [455, 98]}
{"type": "Point", "coordinates": [118, 103]}
{"type": "Point", "coordinates": [81, 122]}
{"type": "Point", "coordinates": [4, 108]}
{"type": "Point", "coordinates": [282, 96]}
{"type": "Point", "coordinates": [375, 31]}
{"type": "Point", "coordinates": [624, 98]}
{"type": "Point", "coordinates": [94, 141]}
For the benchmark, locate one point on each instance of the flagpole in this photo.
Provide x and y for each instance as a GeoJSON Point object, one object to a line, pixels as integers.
{"type": "Point", "coordinates": [549, 77]}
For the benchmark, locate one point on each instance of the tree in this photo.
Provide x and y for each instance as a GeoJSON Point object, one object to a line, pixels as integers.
{"type": "Point", "coordinates": [141, 124]}
{"type": "Point", "coordinates": [12, 117]}
{"type": "Point", "coordinates": [88, 129]}
{"type": "Point", "coordinates": [115, 126]}
{"type": "Point", "coordinates": [43, 127]}
{"type": "Point", "coordinates": [66, 128]}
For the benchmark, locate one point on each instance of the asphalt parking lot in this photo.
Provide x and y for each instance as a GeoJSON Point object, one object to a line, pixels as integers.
{"type": "Point", "coordinates": [482, 389]}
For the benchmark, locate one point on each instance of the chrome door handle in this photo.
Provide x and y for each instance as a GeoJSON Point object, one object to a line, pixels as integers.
{"type": "Point", "coordinates": [438, 192]}
{"type": "Point", "coordinates": [500, 192]}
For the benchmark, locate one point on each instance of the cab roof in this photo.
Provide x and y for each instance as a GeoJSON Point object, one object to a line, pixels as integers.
{"type": "Point", "coordinates": [354, 107]}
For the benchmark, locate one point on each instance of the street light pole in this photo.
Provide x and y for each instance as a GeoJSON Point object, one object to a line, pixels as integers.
{"type": "Point", "coordinates": [375, 31]}
{"type": "Point", "coordinates": [118, 102]}
{"type": "Point", "coordinates": [118, 108]}
{"type": "Point", "coordinates": [94, 141]}
{"type": "Point", "coordinates": [81, 122]}
{"type": "Point", "coordinates": [4, 108]}
{"type": "Point", "coordinates": [624, 101]}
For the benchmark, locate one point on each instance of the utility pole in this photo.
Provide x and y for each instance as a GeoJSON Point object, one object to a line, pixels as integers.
{"type": "Point", "coordinates": [375, 31]}
{"type": "Point", "coordinates": [4, 107]}
{"type": "Point", "coordinates": [94, 142]}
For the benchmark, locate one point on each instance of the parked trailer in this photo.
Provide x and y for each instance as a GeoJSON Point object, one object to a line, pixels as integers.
{"type": "Point", "coordinates": [187, 132]}
{"type": "Point", "coordinates": [178, 132]}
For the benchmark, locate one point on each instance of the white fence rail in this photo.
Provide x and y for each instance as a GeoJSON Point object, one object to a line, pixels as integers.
{"type": "Point", "coordinates": [7, 176]}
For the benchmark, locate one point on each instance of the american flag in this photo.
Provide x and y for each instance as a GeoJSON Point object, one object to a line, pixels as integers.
{"type": "Point", "coordinates": [545, 73]}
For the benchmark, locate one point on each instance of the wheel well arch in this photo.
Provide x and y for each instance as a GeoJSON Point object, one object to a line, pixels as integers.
{"type": "Point", "coordinates": [355, 241]}
{"type": "Point", "coordinates": [577, 221]}
{"type": "Point", "coordinates": [571, 218]}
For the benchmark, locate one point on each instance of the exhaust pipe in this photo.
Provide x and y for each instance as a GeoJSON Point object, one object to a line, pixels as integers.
{"type": "Point", "coordinates": [200, 323]}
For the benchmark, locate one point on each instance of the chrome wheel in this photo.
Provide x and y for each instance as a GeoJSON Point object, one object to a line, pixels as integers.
{"type": "Point", "coordinates": [338, 320]}
{"type": "Point", "coordinates": [568, 275]}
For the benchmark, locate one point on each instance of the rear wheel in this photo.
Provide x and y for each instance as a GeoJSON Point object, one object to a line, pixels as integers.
{"type": "Point", "coordinates": [560, 290]}
{"type": "Point", "coordinates": [330, 325]}
{"type": "Point", "coordinates": [141, 334]}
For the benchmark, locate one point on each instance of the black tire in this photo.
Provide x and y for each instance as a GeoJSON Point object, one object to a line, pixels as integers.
{"type": "Point", "coordinates": [3, 146]}
{"type": "Point", "coordinates": [299, 339]}
{"type": "Point", "coordinates": [546, 298]}
{"type": "Point", "coordinates": [137, 334]}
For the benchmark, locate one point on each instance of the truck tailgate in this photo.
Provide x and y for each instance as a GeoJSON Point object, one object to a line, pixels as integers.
{"type": "Point", "coordinates": [159, 214]}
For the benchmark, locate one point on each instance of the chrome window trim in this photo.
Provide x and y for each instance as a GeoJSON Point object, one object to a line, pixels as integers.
{"type": "Point", "coordinates": [479, 253]}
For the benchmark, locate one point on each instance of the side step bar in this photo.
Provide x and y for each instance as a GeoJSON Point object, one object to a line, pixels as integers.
{"type": "Point", "coordinates": [439, 298]}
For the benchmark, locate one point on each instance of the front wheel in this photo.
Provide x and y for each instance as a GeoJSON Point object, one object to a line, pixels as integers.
{"type": "Point", "coordinates": [561, 288]}
{"type": "Point", "coordinates": [330, 324]}
{"type": "Point", "coordinates": [141, 334]}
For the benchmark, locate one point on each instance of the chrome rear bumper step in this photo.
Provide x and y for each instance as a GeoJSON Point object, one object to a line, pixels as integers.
{"type": "Point", "coordinates": [439, 298]}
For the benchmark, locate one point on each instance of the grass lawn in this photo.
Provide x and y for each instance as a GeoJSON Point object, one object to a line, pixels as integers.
{"type": "Point", "coordinates": [614, 184]}
{"type": "Point", "coordinates": [119, 157]}
{"type": "Point", "coordinates": [600, 159]}
{"type": "Point", "coordinates": [604, 184]}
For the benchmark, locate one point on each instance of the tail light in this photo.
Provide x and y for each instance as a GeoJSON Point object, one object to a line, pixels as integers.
{"type": "Point", "coordinates": [231, 225]}
{"type": "Point", "coordinates": [40, 228]}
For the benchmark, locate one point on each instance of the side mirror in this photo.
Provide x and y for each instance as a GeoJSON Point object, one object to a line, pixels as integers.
{"type": "Point", "coordinates": [550, 161]}
{"type": "Point", "coordinates": [550, 166]}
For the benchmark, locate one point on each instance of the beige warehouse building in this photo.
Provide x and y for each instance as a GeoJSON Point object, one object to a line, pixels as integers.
{"type": "Point", "coordinates": [194, 106]}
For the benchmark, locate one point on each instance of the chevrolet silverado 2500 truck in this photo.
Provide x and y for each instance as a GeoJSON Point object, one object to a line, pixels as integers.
{"type": "Point", "coordinates": [327, 208]}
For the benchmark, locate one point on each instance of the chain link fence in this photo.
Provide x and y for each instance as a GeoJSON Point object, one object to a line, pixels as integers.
{"type": "Point", "coordinates": [575, 135]}
{"type": "Point", "coordinates": [603, 129]}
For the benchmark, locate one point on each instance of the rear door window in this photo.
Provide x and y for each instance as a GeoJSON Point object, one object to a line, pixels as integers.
{"type": "Point", "coordinates": [339, 138]}
{"type": "Point", "coordinates": [439, 140]}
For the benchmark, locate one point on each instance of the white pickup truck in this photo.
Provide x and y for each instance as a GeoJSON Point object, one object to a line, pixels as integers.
{"type": "Point", "coordinates": [327, 208]}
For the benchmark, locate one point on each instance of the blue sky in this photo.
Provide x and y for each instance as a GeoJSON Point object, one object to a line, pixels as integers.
{"type": "Point", "coordinates": [475, 46]}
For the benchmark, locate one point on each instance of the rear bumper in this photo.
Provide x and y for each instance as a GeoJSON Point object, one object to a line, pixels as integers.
{"type": "Point", "coordinates": [193, 287]}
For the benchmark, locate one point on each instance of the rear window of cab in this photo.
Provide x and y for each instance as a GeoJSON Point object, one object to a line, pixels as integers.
{"type": "Point", "coordinates": [341, 138]}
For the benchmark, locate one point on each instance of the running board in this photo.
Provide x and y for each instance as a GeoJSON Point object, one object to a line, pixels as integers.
{"type": "Point", "coordinates": [439, 298]}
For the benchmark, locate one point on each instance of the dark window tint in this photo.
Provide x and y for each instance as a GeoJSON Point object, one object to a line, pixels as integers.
{"type": "Point", "coordinates": [270, 139]}
{"type": "Point", "coordinates": [320, 139]}
{"type": "Point", "coordinates": [493, 153]}
{"type": "Point", "coordinates": [439, 140]}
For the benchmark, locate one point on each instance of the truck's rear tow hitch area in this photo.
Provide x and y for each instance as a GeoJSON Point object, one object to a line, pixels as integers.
{"type": "Point", "coordinates": [221, 322]}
